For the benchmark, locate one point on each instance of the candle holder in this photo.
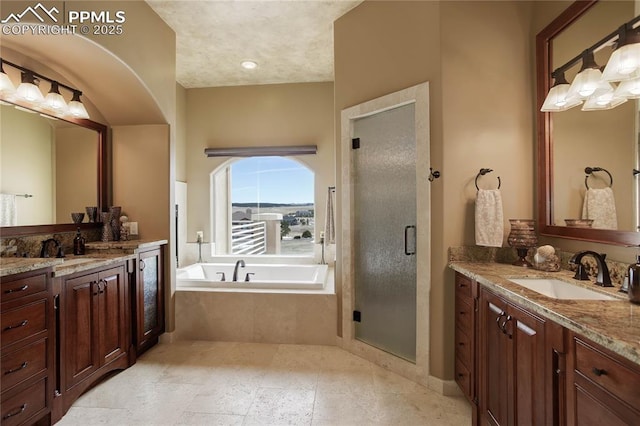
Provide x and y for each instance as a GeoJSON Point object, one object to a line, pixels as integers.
{"type": "Point", "coordinates": [522, 237]}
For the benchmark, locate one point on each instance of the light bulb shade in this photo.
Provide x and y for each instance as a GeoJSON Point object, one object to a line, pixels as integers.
{"type": "Point", "coordinates": [6, 86]}
{"type": "Point", "coordinates": [54, 100]}
{"type": "Point", "coordinates": [624, 63]}
{"type": "Point", "coordinates": [588, 82]}
{"type": "Point", "coordinates": [28, 91]}
{"type": "Point", "coordinates": [629, 89]}
{"type": "Point", "coordinates": [604, 101]}
{"type": "Point", "coordinates": [76, 108]}
{"type": "Point", "coordinates": [558, 100]}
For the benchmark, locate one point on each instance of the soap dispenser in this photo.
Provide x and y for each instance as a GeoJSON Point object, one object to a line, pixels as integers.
{"type": "Point", "coordinates": [78, 244]}
{"type": "Point", "coordinates": [634, 281]}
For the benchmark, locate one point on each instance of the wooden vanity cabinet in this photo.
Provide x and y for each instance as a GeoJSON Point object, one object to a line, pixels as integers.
{"type": "Point", "coordinates": [27, 348]}
{"type": "Point", "coordinates": [466, 304]}
{"type": "Point", "coordinates": [148, 297]}
{"type": "Point", "coordinates": [603, 387]}
{"type": "Point", "coordinates": [95, 331]}
{"type": "Point", "coordinates": [514, 379]}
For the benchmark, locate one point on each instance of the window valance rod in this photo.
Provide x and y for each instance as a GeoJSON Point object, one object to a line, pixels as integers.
{"type": "Point", "coordinates": [261, 151]}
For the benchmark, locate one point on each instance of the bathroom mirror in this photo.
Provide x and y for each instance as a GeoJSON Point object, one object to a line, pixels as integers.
{"type": "Point", "coordinates": [53, 167]}
{"type": "Point", "coordinates": [572, 140]}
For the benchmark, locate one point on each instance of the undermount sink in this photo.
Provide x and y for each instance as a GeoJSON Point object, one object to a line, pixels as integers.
{"type": "Point", "coordinates": [557, 289]}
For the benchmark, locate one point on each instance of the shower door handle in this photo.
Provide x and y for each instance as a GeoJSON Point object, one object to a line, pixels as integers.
{"type": "Point", "coordinates": [406, 240]}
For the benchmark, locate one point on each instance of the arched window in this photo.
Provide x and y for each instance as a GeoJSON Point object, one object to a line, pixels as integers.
{"type": "Point", "coordinates": [269, 203]}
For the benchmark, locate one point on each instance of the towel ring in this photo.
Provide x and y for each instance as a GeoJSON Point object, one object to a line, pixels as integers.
{"type": "Point", "coordinates": [590, 170]}
{"type": "Point", "coordinates": [483, 172]}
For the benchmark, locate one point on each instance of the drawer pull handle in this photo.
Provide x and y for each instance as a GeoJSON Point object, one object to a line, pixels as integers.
{"type": "Point", "coordinates": [13, 370]}
{"type": "Point", "coordinates": [599, 371]}
{"type": "Point", "coordinates": [15, 413]}
{"type": "Point", "coordinates": [462, 285]}
{"type": "Point", "coordinates": [15, 290]}
{"type": "Point", "coordinates": [11, 327]}
{"type": "Point", "coordinates": [460, 375]}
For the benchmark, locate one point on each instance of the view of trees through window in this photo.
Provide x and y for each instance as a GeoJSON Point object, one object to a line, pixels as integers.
{"type": "Point", "coordinates": [272, 185]}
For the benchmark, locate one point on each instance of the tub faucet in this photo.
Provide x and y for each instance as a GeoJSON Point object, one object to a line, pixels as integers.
{"type": "Point", "coordinates": [235, 270]}
{"type": "Point", "coordinates": [603, 279]}
{"type": "Point", "coordinates": [44, 250]}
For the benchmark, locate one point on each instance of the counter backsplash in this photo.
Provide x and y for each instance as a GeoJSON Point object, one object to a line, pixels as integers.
{"type": "Point", "coordinates": [617, 270]}
{"type": "Point", "coordinates": [29, 246]}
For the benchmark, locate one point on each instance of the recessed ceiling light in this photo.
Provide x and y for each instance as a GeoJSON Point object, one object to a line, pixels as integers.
{"type": "Point", "coordinates": [249, 65]}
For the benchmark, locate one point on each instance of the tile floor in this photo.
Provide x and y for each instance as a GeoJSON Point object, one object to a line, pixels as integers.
{"type": "Point", "coordinates": [216, 383]}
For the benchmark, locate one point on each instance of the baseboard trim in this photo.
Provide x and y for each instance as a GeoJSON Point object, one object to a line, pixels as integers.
{"type": "Point", "coordinates": [444, 387]}
{"type": "Point", "coordinates": [168, 337]}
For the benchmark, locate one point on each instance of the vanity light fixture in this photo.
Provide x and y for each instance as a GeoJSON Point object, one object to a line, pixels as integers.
{"type": "Point", "coordinates": [29, 97]}
{"type": "Point", "coordinates": [629, 89]}
{"type": "Point", "coordinates": [589, 80]}
{"type": "Point", "coordinates": [249, 65]}
{"type": "Point", "coordinates": [28, 90]}
{"type": "Point", "coordinates": [54, 100]}
{"type": "Point", "coordinates": [76, 108]}
{"type": "Point", "coordinates": [624, 63]}
{"type": "Point", "coordinates": [558, 99]}
{"type": "Point", "coordinates": [594, 86]}
{"type": "Point", "coordinates": [6, 86]}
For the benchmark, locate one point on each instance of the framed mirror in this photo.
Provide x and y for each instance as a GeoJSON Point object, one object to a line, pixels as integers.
{"type": "Point", "coordinates": [571, 143]}
{"type": "Point", "coordinates": [51, 167]}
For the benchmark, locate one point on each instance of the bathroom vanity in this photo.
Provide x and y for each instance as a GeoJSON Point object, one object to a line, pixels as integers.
{"type": "Point", "coordinates": [525, 358]}
{"type": "Point", "coordinates": [68, 322]}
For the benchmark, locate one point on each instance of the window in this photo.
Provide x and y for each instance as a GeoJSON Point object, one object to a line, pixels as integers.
{"type": "Point", "coordinates": [271, 202]}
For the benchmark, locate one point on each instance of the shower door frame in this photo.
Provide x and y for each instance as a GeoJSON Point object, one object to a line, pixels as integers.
{"type": "Point", "coordinates": [419, 96]}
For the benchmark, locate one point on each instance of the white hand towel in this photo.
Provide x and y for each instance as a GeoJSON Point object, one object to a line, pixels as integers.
{"type": "Point", "coordinates": [600, 205]}
{"type": "Point", "coordinates": [8, 210]}
{"type": "Point", "coordinates": [489, 218]}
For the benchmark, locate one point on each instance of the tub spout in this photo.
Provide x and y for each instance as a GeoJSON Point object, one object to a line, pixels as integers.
{"type": "Point", "coordinates": [239, 263]}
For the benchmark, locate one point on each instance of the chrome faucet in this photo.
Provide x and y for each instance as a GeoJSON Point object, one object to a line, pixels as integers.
{"type": "Point", "coordinates": [603, 279]}
{"type": "Point", "coordinates": [235, 270]}
{"type": "Point", "coordinates": [44, 250]}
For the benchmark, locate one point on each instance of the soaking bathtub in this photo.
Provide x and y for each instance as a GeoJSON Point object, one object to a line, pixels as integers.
{"type": "Point", "coordinates": [282, 302]}
{"type": "Point", "coordinates": [253, 276]}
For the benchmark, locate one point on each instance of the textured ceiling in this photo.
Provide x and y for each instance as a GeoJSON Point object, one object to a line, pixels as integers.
{"type": "Point", "coordinates": [292, 41]}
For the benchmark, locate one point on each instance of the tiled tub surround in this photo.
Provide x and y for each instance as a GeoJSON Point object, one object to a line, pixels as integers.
{"type": "Point", "coordinates": [613, 324]}
{"type": "Point", "coordinates": [257, 315]}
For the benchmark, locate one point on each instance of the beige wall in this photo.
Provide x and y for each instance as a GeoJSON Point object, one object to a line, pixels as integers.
{"type": "Point", "coordinates": [477, 57]}
{"type": "Point", "coordinates": [26, 157]}
{"type": "Point", "coordinates": [181, 133]}
{"type": "Point", "coordinates": [244, 116]}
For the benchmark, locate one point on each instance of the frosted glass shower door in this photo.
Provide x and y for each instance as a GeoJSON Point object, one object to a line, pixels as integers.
{"type": "Point", "coordinates": [384, 197]}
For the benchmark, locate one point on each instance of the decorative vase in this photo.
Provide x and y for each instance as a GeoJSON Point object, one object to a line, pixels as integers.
{"type": "Point", "coordinates": [77, 217]}
{"type": "Point", "coordinates": [522, 237]}
{"type": "Point", "coordinates": [115, 221]}
{"type": "Point", "coordinates": [107, 232]}
{"type": "Point", "coordinates": [92, 214]}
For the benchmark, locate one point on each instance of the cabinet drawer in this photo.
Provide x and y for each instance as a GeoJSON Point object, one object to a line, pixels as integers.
{"type": "Point", "coordinates": [464, 313]}
{"type": "Point", "coordinates": [613, 376]}
{"type": "Point", "coordinates": [24, 404]}
{"type": "Point", "coordinates": [23, 322]}
{"type": "Point", "coordinates": [23, 363]}
{"type": "Point", "coordinates": [463, 378]}
{"type": "Point", "coordinates": [463, 286]}
{"type": "Point", "coordinates": [463, 347]}
{"type": "Point", "coordinates": [23, 287]}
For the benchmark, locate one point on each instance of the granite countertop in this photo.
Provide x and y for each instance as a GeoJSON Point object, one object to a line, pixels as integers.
{"type": "Point", "coordinates": [61, 266]}
{"type": "Point", "coordinates": [17, 265]}
{"type": "Point", "coordinates": [130, 246]}
{"type": "Point", "coordinates": [614, 324]}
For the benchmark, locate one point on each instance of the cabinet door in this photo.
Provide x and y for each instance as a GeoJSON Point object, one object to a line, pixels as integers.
{"type": "Point", "coordinates": [526, 332]}
{"type": "Point", "coordinates": [113, 321]}
{"type": "Point", "coordinates": [81, 328]}
{"type": "Point", "coordinates": [494, 360]}
{"type": "Point", "coordinates": [150, 298]}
